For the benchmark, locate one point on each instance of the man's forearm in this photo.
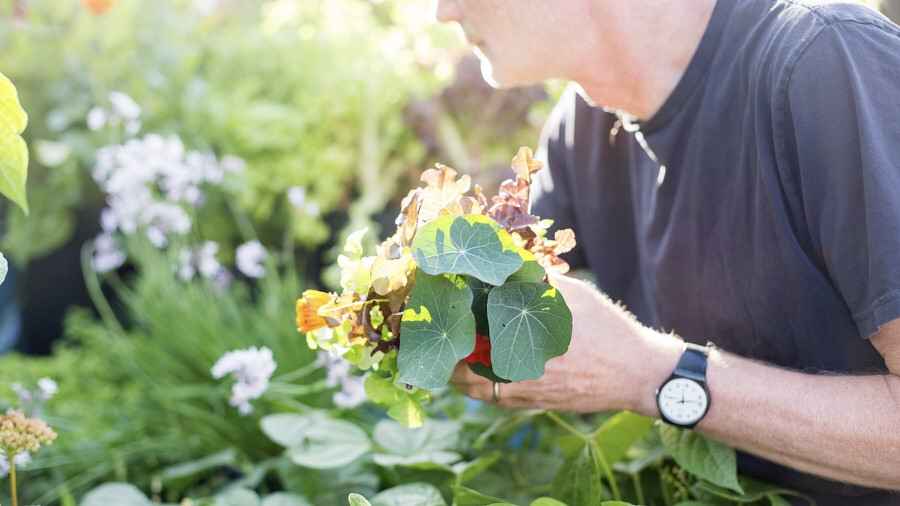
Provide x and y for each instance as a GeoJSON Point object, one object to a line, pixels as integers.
{"type": "Point", "coordinates": [842, 427]}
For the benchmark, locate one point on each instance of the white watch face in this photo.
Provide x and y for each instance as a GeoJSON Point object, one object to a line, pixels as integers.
{"type": "Point", "coordinates": [683, 401]}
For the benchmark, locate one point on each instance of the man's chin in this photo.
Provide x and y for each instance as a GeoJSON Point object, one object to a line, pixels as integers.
{"type": "Point", "coordinates": [497, 78]}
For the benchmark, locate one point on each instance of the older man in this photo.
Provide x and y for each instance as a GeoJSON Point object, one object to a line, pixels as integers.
{"type": "Point", "coordinates": [739, 185]}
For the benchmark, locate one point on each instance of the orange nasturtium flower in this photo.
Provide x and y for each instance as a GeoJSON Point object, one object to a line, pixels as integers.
{"type": "Point", "coordinates": [308, 318]}
{"type": "Point", "coordinates": [98, 7]}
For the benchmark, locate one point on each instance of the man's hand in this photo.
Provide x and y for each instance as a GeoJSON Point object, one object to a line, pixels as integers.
{"type": "Point", "coordinates": [604, 368]}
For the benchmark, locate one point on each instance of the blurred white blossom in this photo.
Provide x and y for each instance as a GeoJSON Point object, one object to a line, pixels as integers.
{"type": "Point", "coordinates": [251, 368]}
{"type": "Point", "coordinates": [202, 260]}
{"type": "Point", "coordinates": [150, 183]}
{"type": "Point", "coordinates": [250, 257]}
{"type": "Point", "coordinates": [297, 197]}
{"type": "Point", "coordinates": [124, 106]}
{"type": "Point", "coordinates": [47, 388]}
{"type": "Point", "coordinates": [96, 118]}
{"type": "Point", "coordinates": [352, 392]}
{"type": "Point", "coordinates": [108, 256]}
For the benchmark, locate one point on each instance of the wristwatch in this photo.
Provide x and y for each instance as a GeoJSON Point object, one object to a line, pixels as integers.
{"type": "Point", "coordinates": [683, 399]}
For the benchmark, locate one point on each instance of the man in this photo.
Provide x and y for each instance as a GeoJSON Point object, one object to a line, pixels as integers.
{"type": "Point", "coordinates": [746, 193]}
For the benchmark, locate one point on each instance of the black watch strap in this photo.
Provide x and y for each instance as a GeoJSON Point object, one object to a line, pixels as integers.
{"type": "Point", "coordinates": [693, 361]}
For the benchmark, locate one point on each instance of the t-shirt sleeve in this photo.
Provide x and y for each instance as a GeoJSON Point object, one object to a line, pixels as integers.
{"type": "Point", "coordinates": [551, 192]}
{"type": "Point", "coordinates": [843, 114]}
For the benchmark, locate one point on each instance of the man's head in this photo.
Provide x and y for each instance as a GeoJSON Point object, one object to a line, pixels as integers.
{"type": "Point", "coordinates": [521, 42]}
{"type": "Point", "coordinates": [626, 54]}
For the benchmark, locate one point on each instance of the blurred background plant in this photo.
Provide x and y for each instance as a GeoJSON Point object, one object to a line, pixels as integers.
{"type": "Point", "coordinates": [193, 165]}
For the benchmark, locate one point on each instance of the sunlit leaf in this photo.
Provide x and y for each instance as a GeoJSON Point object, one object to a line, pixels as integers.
{"type": "Point", "coordinates": [471, 245]}
{"type": "Point", "coordinates": [438, 330]}
{"type": "Point", "coordinates": [530, 323]}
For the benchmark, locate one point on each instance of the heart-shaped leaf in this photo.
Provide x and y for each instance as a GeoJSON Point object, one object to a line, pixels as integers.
{"type": "Point", "coordinates": [413, 494]}
{"type": "Point", "coordinates": [13, 152]}
{"type": "Point", "coordinates": [530, 323]}
{"type": "Point", "coordinates": [328, 443]}
{"type": "Point", "coordinates": [473, 245]}
{"type": "Point", "coordinates": [438, 330]}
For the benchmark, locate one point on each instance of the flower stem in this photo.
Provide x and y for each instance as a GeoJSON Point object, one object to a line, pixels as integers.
{"type": "Point", "coordinates": [12, 478]}
{"type": "Point", "coordinates": [565, 425]}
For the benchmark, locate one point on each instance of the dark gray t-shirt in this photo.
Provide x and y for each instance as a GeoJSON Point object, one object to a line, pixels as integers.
{"type": "Point", "coordinates": [774, 230]}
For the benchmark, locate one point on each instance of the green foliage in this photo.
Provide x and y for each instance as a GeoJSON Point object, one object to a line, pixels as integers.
{"type": "Point", "coordinates": [13, 151]}
{"type": "Point", "coordinates": [121, 494]}
{"type": "Point", "coordinates": [438, 331]}
{"type": "Point", "coordinates": [701, 456]}
{"type": "Point", "coordinates": [469, 245]}
{"type": "Point", "coordinates": [530, 323]}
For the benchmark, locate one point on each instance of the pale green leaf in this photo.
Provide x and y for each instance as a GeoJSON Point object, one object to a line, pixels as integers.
{"type": "Point", "coordinates": [413, 494]}
{"type": "Point", "coordinates": [619, 433]}
{"type": "Point", "coordinates": [438, 330]}
{"type": "Point", "coordinates": [286, 429]}
{"type": "Point", "coordinates": [464, 496]}
{"type": "Point", "coordinates": [358, 500]}
{"type": "Point", "coordinates": [547, 501]}
{"type": "Point", "coordinates": [120, 494]}
{"type": "Point", "coordinates": [13, 152]}
{"type": "Point", "coordinates": [702, 457]}
{"type": "Point", "coordinates": [403, 406]}
{"type": "Point", "coordinates": [530, 324]}
{"type": "Point", "coordinates": [329, 443]}
{"type": "Point", "coordinates": [285, 499]}
{"type": "Point", "coordinates": [469, 245]}
{"type": "Point", "coordinates": [237, 497]}
{"type": "Point", "coordinates": [579, 481]}
{"type": "Point", "coordinates": [431, 444]}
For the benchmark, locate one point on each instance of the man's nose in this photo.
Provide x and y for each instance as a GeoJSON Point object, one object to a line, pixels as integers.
{"type": "Point", "coordinates": [448, 11]}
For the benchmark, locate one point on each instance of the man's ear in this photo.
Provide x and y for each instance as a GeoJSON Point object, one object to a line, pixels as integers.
{"type": "Point", "coordinates": [887, 342]}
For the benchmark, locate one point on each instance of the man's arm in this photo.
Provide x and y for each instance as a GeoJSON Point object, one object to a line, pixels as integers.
{"type": "Point", "coordinates": [842, 427]}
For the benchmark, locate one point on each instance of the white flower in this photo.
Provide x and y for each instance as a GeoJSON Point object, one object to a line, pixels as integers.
{"type": "Point", "coordinates": [96, 118]}
{"type": "Point", "coordinates": [352, 393]}
{"type": "Point", "coordinates": [233, 164]}
{"type": "Point", "coordinates": [250, 257]}
{"type": "Point", "coordinates": [207, 264]}
{"type": "Point", "coordinates": [124, 106]}
{"type": "Point", "coordinates": [47, 388]}
{"type": "Point", "coordinates": [251, 368]}
{"type": "Point", "coordinates": [107, 254]}
{"type": "Point", "coordinates": [20, 460]}
{"type": "Point", "coordinates": [297, 196]}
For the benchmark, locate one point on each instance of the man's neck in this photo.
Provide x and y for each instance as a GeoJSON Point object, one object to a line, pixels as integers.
{"type": "Point", "coordinates": [645, 56]}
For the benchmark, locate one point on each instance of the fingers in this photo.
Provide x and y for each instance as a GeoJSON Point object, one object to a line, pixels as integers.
{"type": "Point", "coordinates": [520, 394]}
{"type": "Point", "coordinates": [471, 384]}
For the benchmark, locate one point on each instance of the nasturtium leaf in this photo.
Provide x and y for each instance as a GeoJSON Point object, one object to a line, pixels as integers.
{"type": "Point", "coordinates": [4, 268]}
{"type": "Point", "coordinates": [437, 331]}
{"type": "Point", "coordinates": [120, 494]}
{"type": "Point", "coordinates": [547, 501]}
{"type": "Point", "coordinates": [619, 432]}
{"type": "Point", "coordinates": [285, 499]}
{"type": "Point", "coordinates": [237, 497]}
{"type": "Point", "coordinates": [531, 271]}
{"type": "Point", "coordinates": [431, 444]}
{"type": "Point", "coordinates": [530, 324]}
{"type": "Point", "coordinates": [329, 443]}
{"type": "Point", "coordinates": [13, 151]}
{"type": "Point", "coordinates": [412, 494]}
{"type": "Point", "coordinates": [358, 500]}
{"type": "Point", "coordinates": [286, 429]}
{"type": "Point", "coordinates": [702, 457]}
{"type": "Point", "coordinates": [473, 245]}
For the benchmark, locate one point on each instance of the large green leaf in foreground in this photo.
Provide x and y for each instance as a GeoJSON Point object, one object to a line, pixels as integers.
{"type": "Point", "coordinates": [472, 245]}
{"type": "Point", "coordinates": [438, 330]}
{"type": "Point", "coordinates": [13, 152]}
{"type": "Point", "coordinates": [702, 457]}
{"type": "Point", "coordinates": [530, 323]}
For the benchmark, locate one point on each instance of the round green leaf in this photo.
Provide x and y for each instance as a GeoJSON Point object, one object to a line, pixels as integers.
{"type": "Point", "coordinates": [413, 494]}
{"type": "Point", "coordinates": [286, 429]}
{"type": "Point", "coordinates": [329, 443]}
{"type": "Point", "coordinates": [438, 330]}
{"type": "Point", "coordinates": [120, 494]}
{"type": "Point", "coordinates": [237, 497]}
{"type": "Point", "coordinates": [530, 324]}
{"type": "Point", "coordinates": [285, 499]}
{"type": "Point", "coordinates": [465, 245]}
